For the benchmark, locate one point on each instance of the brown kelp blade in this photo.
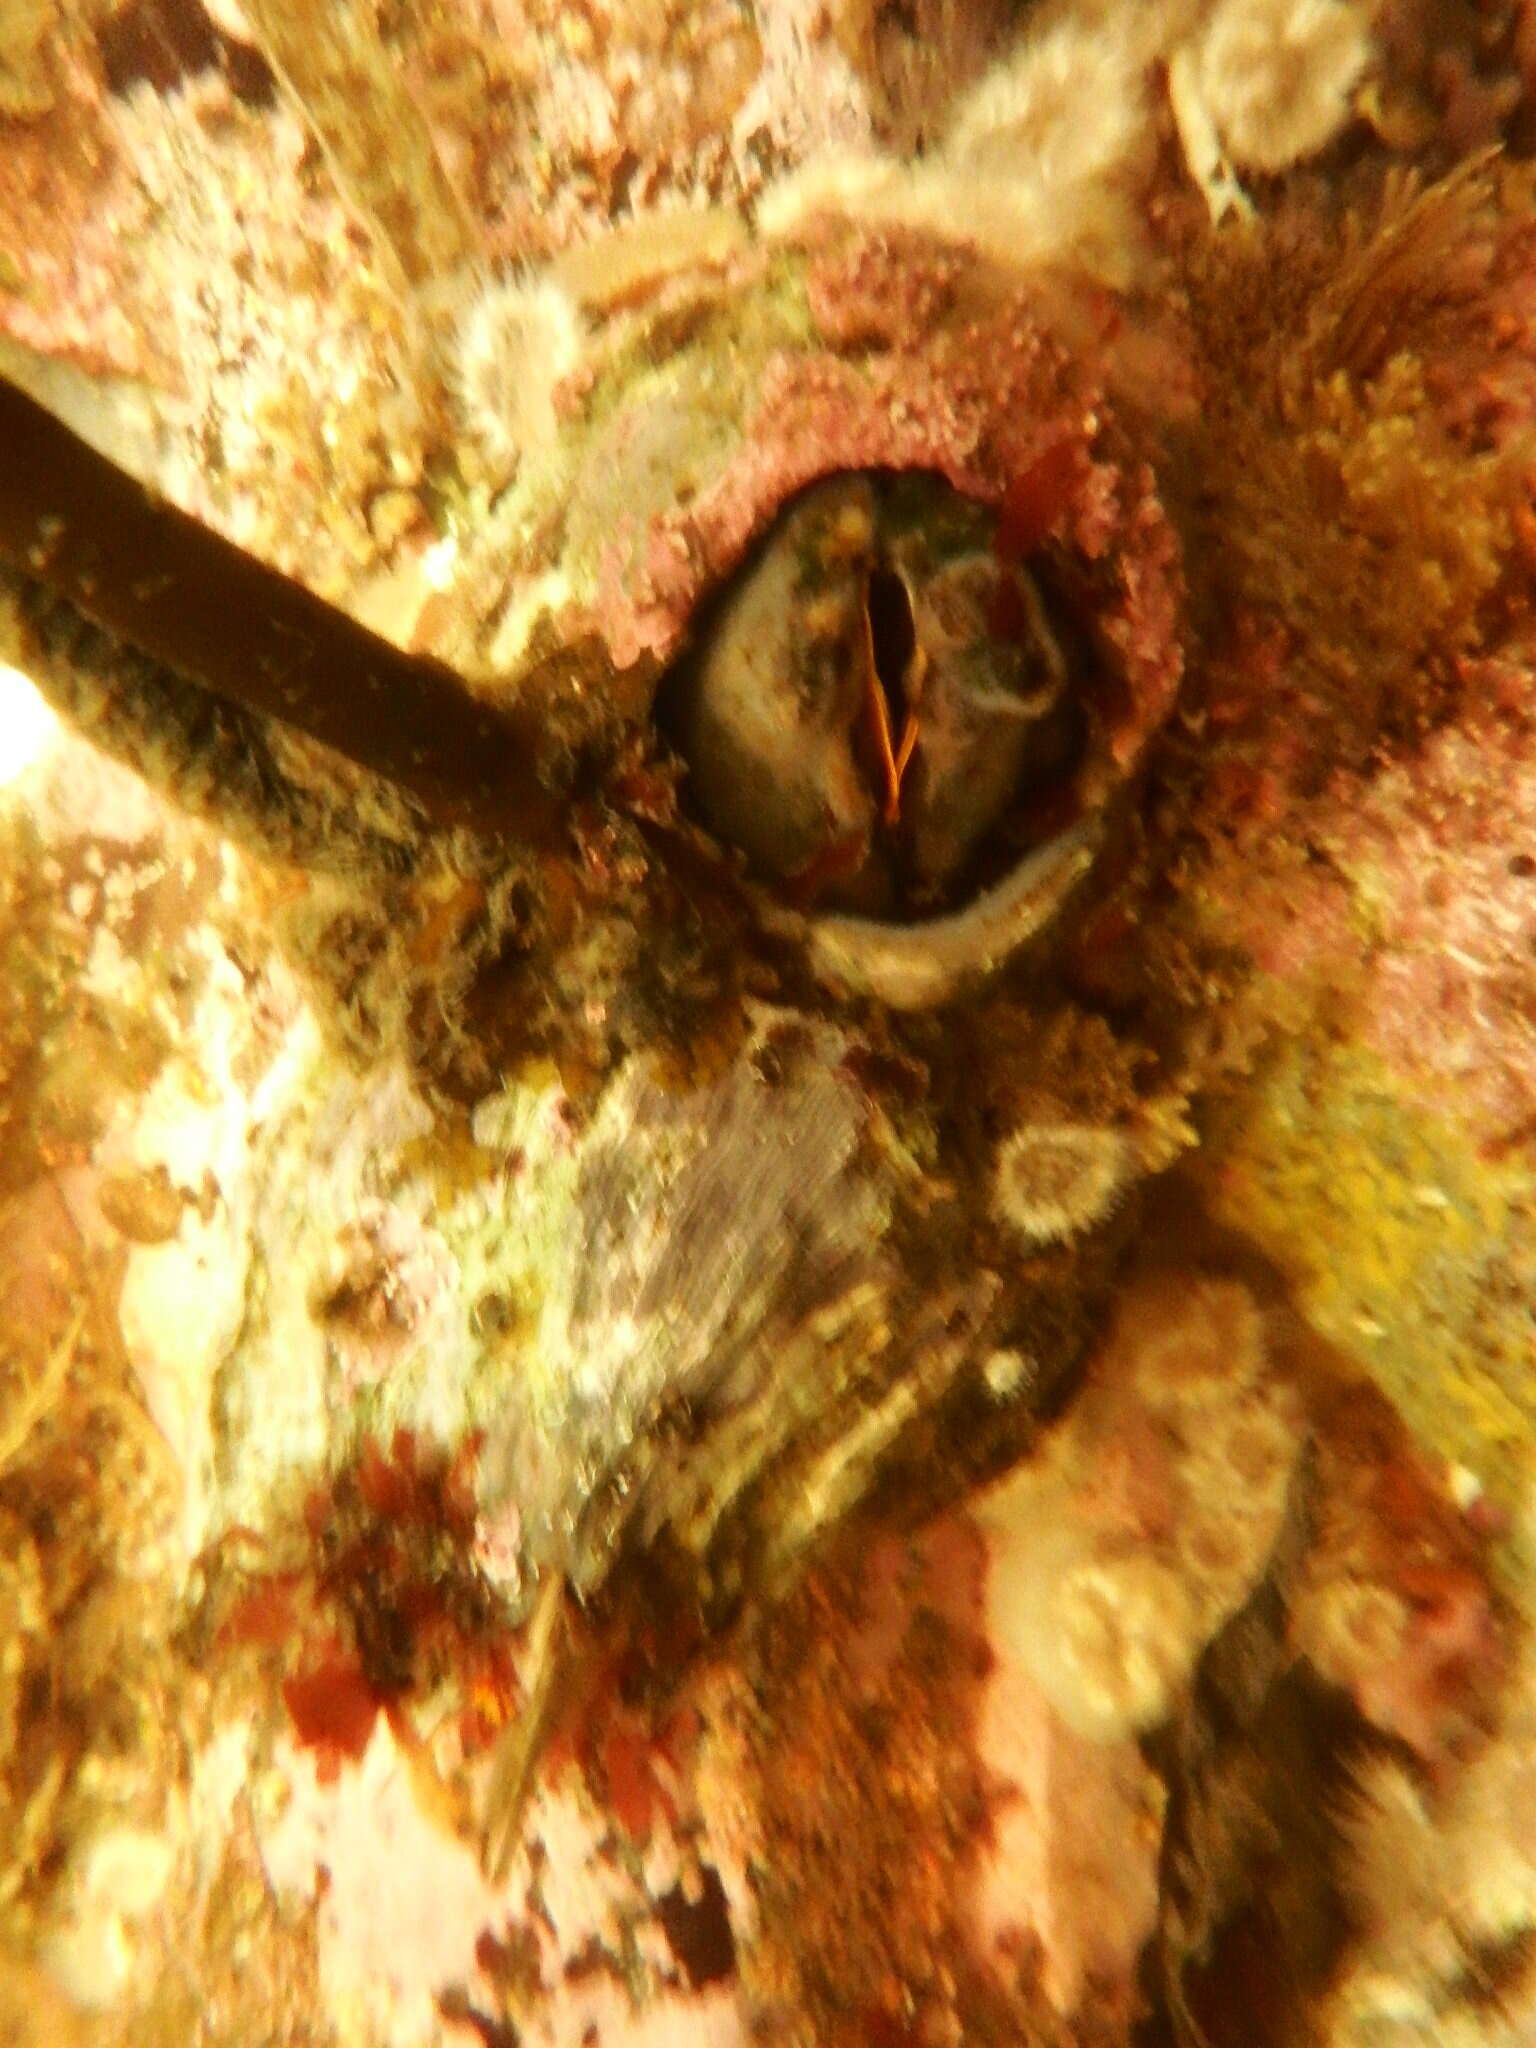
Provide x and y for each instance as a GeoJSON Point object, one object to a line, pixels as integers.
{"type": "Point", "coordinates": [158, 580]}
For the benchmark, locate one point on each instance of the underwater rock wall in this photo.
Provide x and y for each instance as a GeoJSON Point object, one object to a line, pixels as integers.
{"type": "Point", "coordinates": [851, 1362]}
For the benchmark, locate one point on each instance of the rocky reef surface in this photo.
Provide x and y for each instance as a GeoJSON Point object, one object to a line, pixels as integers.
{"type": "Point", "coordinates": [768, 1023]}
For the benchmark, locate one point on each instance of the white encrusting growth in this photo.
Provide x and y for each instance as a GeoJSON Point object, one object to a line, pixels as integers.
{"type": "Point", "coordinates": [513, 345]}
{"type": "Point", "coordinates": [1041, 160]}
{"type": "Point", "coordinates": [1045, 158]}
{"type": "Point", "coordinates": [1278, 76]}
{"type": "Point", "coordinates": [1262, 85]}
{"type": "Point", "coordinates": [1056, 1179]}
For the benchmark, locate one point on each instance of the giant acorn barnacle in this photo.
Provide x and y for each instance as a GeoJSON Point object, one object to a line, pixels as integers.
{"type": "Point", "coordinates": [923, 621]}
{"type": "Point", "coordinates": [877, 690]}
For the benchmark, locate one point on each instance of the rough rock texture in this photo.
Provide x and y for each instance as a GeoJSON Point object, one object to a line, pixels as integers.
{"type": "Point", "coordinates": [588, 1451]}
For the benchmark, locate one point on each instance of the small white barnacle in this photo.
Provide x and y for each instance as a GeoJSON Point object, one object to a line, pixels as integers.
{"type": "Point", "coordinates": [1053, 1180]}
{"type": "Point", "coordinates": [511, 347]}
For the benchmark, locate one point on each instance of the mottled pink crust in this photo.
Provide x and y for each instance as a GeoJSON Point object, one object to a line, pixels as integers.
{"type": "Point", "coordinates": [70, 205]}
{"type": "Point", "coordinates": [1395, 1605]}
{"type": "Point", "coordinates": [1067, 1871]}
{"type": "Point", "coordinates": [986, 402]}
{"type": "Point", "coordinates": [1452, 847]}
{"type": "Point", "coordinates": [1402, 871]}
{"type": "Point", "coordinates": [872, 290]}
{"type": "Point", "coordinates": [1424, 903]}
{"type": "Point", "coordinates": [1484, 385]}
{"type": "Point", "coordinates": [1004, 1883]}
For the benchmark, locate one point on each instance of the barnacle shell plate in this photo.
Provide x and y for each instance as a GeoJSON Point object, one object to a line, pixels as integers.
{"type": "Point", "coordinates": [837, 360]}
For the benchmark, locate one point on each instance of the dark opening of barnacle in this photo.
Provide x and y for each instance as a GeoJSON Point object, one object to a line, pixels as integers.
{"type": "Point", "coordinates": [880, 712]}
{"type": "Point", "coordinates": [890, 665]}
{"type": "Point", "coordinates": [893, 633]}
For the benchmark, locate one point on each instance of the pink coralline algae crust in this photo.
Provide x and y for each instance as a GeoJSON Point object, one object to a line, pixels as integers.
{"type": "Point", "coordinates": [1365, 831]}
{"type": "Point", "coordinates": [69, 201]}
{"type": "Point", "coordinates": [1448, 852]}
{"type": "Point", "coordinates": [873, 290]}
{"type": "Point", "coordinates": [1451, 852]}
{"type": "Point", "coordinates": [1394, 1605]}
{"type": "Point", "coordinates": [987, 403]}
{"type": "Point", "coordinates": [1423, 905]}
{"type": "Point", "coordinates": [1484, 389]}
{"type": "Point", "coordinates": [1066, 1874]}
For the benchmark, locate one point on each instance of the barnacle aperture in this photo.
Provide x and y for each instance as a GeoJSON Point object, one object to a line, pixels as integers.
{"type": "Point", "coordinates": [877, 700]}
